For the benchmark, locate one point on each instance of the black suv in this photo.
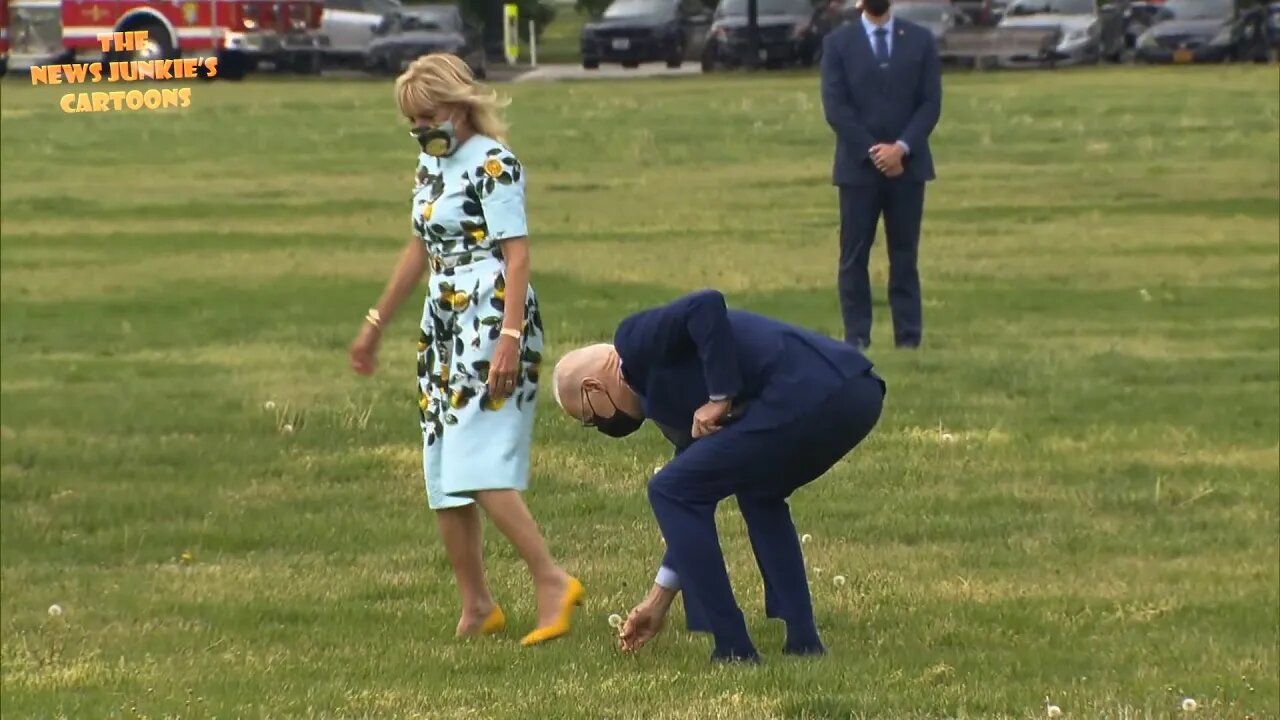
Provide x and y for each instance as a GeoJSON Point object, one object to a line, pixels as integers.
{"type": "Point", "coordinates": [630, 32]}
{"type": "Point", "coordinates": [787, 35]}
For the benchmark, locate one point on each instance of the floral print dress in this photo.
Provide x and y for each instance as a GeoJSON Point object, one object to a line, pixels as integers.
{"type": "Point", "coordinates": [464, 206]}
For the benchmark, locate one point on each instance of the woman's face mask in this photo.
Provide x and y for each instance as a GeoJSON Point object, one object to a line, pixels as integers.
{"type": "Point", "coordinates": [436, 140]}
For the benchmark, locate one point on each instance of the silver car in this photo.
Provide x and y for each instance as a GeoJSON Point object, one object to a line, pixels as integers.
{"type": "Point", "coordinates": [350, 26]}
{"type": "Point", "coordinates": [1088, 30]}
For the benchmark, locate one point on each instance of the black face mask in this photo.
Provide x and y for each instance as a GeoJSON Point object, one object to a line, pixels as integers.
{"type": "Point", "coordinates": [875, 7]}
{"type": "Point", "coordinates": [618, 426]}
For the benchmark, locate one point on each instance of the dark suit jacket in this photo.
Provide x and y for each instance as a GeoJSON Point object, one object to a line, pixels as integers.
{"type": "Point", "coordinates": [678, 355]}
{"type": "Point", "coordinates": [865, 105]}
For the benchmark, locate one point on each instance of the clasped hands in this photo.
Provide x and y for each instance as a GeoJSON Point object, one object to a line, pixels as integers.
{"type": "Point", "coordinates": [888, 158]}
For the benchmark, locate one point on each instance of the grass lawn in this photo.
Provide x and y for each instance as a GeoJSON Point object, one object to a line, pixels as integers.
{"type": "Point", "coordinates": [1072, 493]}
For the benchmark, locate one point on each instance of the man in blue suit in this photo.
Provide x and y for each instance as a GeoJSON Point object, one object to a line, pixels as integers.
{"type": "Point", "coordinates": [882, 95]}
{"type": "Point", "coordinates": [756, 408]}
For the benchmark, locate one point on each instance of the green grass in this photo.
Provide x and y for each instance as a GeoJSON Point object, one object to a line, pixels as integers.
{"type": "Point", "coordinates": [1102, 325]}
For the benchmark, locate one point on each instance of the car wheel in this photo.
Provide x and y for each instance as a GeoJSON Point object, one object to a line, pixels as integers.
{"type": "Point", "coordinates": [708, 60]}
{"type": "Point", "coordinates": [159, 46]}
{"type": "Point", "coordinates": [676, 58]}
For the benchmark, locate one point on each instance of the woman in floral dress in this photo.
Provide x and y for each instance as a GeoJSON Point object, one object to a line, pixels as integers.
{"type": "Point", "coordinates": [480, 347]}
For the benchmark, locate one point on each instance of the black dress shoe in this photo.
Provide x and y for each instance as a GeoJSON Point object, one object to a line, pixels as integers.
{"type": "Point", "coordinates": [804, 649]}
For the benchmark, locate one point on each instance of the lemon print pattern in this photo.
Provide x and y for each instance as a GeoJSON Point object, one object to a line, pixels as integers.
{"type": "Point", "coordinates": [465, 206]}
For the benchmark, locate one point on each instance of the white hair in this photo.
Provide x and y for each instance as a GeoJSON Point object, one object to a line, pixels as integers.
{"type": "Point", "coordinates": [578, 364]}
{"type": "Point", "coordinates": [555, 384]}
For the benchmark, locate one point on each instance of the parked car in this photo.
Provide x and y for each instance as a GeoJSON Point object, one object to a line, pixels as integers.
{"type": "Point", "coordinates": [938, 16]}
{"type": "Point", "coordinates": [1088, 30]}
{"type": "Point", "coordinates": [351, 25]}
{"type": "Point", "coordinates": [786, 35]}
{"type": "Point", "coordinates": [1273, 28]}
{"type": "Point", "coordinates": [980, 13]}
{"type": "Point", "coordinates": [1192, 31]}
{"type": "Point", "coordinates": [407, 34]}
{"type": "Point", "coordinates": [631, 32]}
{"type": "Point", "coordinates": [1138, 17]}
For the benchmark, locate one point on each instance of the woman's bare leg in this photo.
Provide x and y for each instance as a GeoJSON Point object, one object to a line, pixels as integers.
{"type": "Point", "coordinates": [460, 531]}
{"type": "Point", "coordinates": [508, 512]}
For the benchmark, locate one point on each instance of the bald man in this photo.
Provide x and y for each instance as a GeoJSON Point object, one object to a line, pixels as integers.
{"type": "Point", "coordinates": [756, 408]}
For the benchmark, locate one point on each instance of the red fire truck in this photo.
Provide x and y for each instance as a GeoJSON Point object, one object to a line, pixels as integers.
{"type": "Point", "coordinates": [242, 34]}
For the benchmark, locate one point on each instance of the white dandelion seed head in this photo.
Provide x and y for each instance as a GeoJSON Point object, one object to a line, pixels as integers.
{"type": "Point", "coordinates": [55, 610]}
{"type": "Point", "coordinates": [1054, 711]}
{"type": "Point", "coordinates": [269, 405]}
{"type": "Point", "coordinates": [806, 538]}
{"type": "Point", "coordinates": [838, 580]}
{"type": "Point", "coordinates": [1189, 705]}
{"type": "Point", "coordinates": [287, 429]}
{"type": "Point", "coordinates": [615, 620]}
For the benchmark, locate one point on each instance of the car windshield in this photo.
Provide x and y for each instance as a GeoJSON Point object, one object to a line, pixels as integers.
{"type": "Point", "coordinates": [383, 7]}
{"type": "Point", "coordinates": [1197, 9]}
{"type": "Point", "coordinates": [729, 8]}
{"type": "Point", "coordinates": [922, 12]}
{"type": "Point", "coordinates": [638, 8]}
{"type": "Point", "coordinates": [421, 19]}
{"type": "Point", "coordinates": [1051, 7]}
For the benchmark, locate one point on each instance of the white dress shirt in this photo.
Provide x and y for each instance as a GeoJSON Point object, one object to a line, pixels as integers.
{"type": "Point", "coordinates": [870, 29]}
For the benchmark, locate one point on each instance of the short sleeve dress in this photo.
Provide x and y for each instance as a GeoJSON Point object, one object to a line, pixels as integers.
{"type": "Point", "coordinates": [464, 206]}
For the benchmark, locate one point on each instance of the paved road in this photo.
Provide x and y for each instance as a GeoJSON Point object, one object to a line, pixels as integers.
{"type": "Point", "coordinates": [552, 73]}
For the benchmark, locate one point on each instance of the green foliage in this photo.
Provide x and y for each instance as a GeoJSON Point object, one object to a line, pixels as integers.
{"type": "Point", "coordinates": [542, 13]}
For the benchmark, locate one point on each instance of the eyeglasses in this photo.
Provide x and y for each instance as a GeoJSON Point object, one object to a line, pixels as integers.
{"type": "Point", "coordinates": [589, 419]}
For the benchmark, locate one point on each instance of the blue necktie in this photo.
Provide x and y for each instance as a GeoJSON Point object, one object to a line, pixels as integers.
{"type": "Point", "coordinates": [882, 47]}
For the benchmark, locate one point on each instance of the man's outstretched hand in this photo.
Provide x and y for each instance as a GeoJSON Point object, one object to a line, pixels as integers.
{"type": "Point", "coordinates": [645, 620]}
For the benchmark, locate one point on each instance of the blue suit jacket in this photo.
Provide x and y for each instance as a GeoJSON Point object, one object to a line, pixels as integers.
{"type": "Point", "coordinates": [676, 356]}
{"type": "Point", "coordinates": [865, 105]}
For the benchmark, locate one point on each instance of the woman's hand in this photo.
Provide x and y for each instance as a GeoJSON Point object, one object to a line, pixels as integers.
{"type": "Point", "coordinates": [503, 367]}
{"type": "Point", "coordinates": [364, 351]}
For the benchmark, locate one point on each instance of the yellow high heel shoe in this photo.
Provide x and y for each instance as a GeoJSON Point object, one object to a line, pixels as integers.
{"type": "Point", "coordinates": [572, 598]}
{"type": "Point", "coordinates": [495, 623]}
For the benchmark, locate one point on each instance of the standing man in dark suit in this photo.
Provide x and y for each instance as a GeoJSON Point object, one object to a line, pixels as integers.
{"type": "Point", "coordinates": [756, 409]}
{"type": "Point", "coordinates": [882, 94]}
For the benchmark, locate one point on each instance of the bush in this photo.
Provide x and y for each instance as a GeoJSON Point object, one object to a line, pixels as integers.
{"type": "Point", "coordinates": [541, 13]}
{"type": "Point", "coordinates": [593, 8]}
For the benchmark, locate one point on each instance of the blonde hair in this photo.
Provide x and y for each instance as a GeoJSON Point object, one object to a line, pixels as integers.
{"type": "Point", "coordinates": [441, 79]}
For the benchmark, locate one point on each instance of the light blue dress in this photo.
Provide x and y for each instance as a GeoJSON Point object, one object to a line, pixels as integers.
{"type": "Point", "coordinates": [464, 206]}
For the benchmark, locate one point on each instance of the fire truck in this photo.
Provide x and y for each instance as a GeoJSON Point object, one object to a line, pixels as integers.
{"type": "Point", "coordinates": [244, 35]}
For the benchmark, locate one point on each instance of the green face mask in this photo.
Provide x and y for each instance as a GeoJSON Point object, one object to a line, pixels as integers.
{"type": "Point", "coordinates": [438, 140]}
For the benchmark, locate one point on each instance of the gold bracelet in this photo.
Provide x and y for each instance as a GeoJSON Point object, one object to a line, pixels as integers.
{"type": "Point", "coordinates": [374, 318]}
{"type": "Point", "coordinates": [511, 333]}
